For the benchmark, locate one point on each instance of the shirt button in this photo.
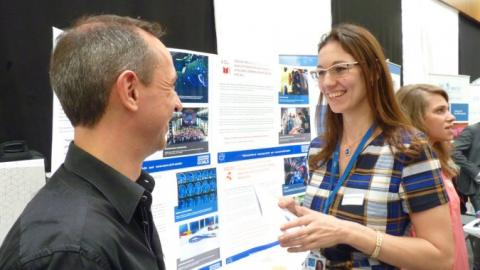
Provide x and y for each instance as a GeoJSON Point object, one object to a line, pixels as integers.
{"type": "Point", "coordinates": [144, 198]}
{"type": "Point", "coordinates": [146, 181]}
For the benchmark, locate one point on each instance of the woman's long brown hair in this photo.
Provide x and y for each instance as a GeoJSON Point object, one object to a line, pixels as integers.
{"type": "Point", "coordinates": [414, 104]}
{"type": "Point", "coordinates": [365, 49]}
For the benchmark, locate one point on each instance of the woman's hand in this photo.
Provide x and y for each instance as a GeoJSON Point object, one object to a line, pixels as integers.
{"type": "Point", "coordinates": [312, 229]}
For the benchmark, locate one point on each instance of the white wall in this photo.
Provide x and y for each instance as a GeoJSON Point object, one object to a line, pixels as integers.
{"type": "Point", "coordinates": [269, 27]}
{"type": "Point", "coordinates": [430, 40]}
{"type": "Point", "coordinates": [259, 27]}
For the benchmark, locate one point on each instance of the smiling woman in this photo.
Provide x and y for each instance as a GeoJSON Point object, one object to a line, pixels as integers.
{"type": "Point", "coordinates": [372, 175]}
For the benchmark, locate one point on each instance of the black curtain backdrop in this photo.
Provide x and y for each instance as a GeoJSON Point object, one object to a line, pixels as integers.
{"type": "Point", "coordinates": [468, 47]}
{"type": "Point", "coordinates": [26, 43]}
{"type": "Point", "coordinates": [381, 17]}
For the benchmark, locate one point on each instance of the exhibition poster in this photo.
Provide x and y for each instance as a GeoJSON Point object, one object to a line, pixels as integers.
{"type": "Point", "coordinates": [457, 87]}
{"type": "Point", "coordinates": [237, 146]}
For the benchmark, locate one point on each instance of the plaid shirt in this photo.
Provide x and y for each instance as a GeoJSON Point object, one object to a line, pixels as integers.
{"type": "Point", "coordinates": [391, 189]}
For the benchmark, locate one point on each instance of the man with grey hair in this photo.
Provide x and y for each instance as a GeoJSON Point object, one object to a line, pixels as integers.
{"type": "Point", "coordinates": [115, 81]}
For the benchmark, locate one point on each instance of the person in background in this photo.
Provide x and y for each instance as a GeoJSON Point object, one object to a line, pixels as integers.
{"type": "Point", "coordinates": [372, 175]}
{"type": "Point", "coordinates": [427, 107]}
{"type": "Point", "coordinates": [467, 157]}
{"type": "Point", "coordinates": [115, 81]}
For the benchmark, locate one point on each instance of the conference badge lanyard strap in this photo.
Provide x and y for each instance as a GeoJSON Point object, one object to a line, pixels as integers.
{"type": "Point", "coordinates": [334, 168]}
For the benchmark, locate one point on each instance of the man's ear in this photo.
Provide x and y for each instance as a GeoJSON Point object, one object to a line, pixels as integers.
{"type": "Point", "coordinates": [127, 84]}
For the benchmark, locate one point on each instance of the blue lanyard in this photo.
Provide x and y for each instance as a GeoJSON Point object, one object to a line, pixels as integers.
{"type": "Point", "coordinates": [334, 168]}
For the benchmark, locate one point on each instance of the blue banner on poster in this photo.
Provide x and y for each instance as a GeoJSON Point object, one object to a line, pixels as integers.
{"type": "Point", "coordinates": [292, 99]}
{"type": "Point", "coordinates": [249, 252]}
{"type": "Point", "coordinates": [293, 189]}
{"type": "Point", "coordinates": [460, 111]}
{"type": "Point", "coordinates": [212, 266]}
{"type": "Point", "coordinates": [224, 157]}
{"type": "Point", "coordinates": [394, 68]}
{"type": "Point", "coordinates": [166, 164]}
{"type": "Point", "coordinates": [298, 60]}
{"type": "Point", "coordinates": [195, 210]}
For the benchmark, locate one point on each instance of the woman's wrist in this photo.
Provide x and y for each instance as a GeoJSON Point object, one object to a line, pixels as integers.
{"type": "Point", "coordinates": [360, 237]}
{"type": "Point", "coordinates": [348, 232]}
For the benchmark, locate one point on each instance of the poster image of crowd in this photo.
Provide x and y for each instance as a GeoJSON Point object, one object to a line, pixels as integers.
{"type": "Point", "coordinates": [187, 132]}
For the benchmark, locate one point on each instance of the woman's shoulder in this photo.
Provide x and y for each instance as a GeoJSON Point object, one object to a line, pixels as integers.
{"type": "Point", "coordinates": [412, 136]}
{"type": "Point", "coordinates": [316, 145]}
{"type": "Point", "coordinates": [317, 142]}
{"type": "Point", "coordinates": [411, 146]}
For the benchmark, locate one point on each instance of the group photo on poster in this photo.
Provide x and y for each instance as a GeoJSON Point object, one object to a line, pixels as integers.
{"type": "Point", "coordinates": [187, 132]}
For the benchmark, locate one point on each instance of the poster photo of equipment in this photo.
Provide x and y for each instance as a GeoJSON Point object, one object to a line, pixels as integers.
{"type": "Point", "coordinates": [197, 193]}
{"type": "Point", "coordinates": [192, 77]}
{"type": "Point", "coordinates": [296, 174]}
{"type": "Point", "coordinates": [199, 243]}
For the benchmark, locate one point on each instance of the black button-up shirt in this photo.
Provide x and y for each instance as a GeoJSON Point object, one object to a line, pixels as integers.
{"type": "Point", "coordinates": [87, 216]}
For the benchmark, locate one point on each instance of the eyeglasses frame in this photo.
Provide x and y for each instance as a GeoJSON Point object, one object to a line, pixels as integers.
{"type": "Point", "coordinates": [315, 73]}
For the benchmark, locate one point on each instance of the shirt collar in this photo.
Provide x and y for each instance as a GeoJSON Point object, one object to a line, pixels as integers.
{"type": "Point", "coordinates": [120, 191]}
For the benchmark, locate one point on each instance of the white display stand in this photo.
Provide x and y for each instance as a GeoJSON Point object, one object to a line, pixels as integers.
{"type": "Point", "coordinates": [473, 228]}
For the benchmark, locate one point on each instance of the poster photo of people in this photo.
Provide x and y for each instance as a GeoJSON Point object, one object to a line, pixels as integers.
{"type": "Point", "coordinates": [294, 125]}
{"type": "Point", "coordinates": [293, 85]}
{"type": "Point", "coordinates": [187, 132]}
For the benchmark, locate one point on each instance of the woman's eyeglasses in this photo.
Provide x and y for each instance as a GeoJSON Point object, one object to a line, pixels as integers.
{"type": "Point", "coordinates": [336, 71]}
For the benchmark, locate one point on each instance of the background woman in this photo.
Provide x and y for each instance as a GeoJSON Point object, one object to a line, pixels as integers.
{"type": "Point", "coordinates": [427, 107]}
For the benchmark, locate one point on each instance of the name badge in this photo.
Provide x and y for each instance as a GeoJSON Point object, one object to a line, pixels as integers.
{"type": "Point", "coordinates": [353, 198]}
{"type": "Point", "coordinates": [314, 261]}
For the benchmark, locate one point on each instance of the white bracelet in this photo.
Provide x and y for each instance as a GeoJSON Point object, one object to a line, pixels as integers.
{"type": "Point", "coordinates": [378, 245]}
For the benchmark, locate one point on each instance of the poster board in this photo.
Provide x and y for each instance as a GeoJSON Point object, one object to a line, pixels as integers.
{"type": "Point", "coordinates": [457, 88]}
{"type": "Point", "coordinates": [229, 157]}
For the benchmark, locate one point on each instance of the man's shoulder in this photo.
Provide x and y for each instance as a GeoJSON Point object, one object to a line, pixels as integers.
{"type": "Point", "coordinates": [64, 216]}
{"type": "Point", "coordinates": [475, 127]}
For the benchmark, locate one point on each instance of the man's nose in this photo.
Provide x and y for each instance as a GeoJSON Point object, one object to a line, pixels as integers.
{"type": "Point", "coordinates": [178, 104]}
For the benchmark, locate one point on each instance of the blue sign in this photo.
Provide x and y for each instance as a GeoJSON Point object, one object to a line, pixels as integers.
{"type": "Point", "coordinates": [460, 111]}
{"type": "Point", "coordinates": [249, 252]}
{"type": "Point", "coordinates": [394, 68]}
{"type": "Point", "coordinates": [298, 60]}
{"type": "Point", "coordinates": [166, 164]}
{"type": "Point", "coordinates": [224, 157]}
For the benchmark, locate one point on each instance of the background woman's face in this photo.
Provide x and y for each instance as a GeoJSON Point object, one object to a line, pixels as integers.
{"type": "Point", "coordinates": [438, 119]}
